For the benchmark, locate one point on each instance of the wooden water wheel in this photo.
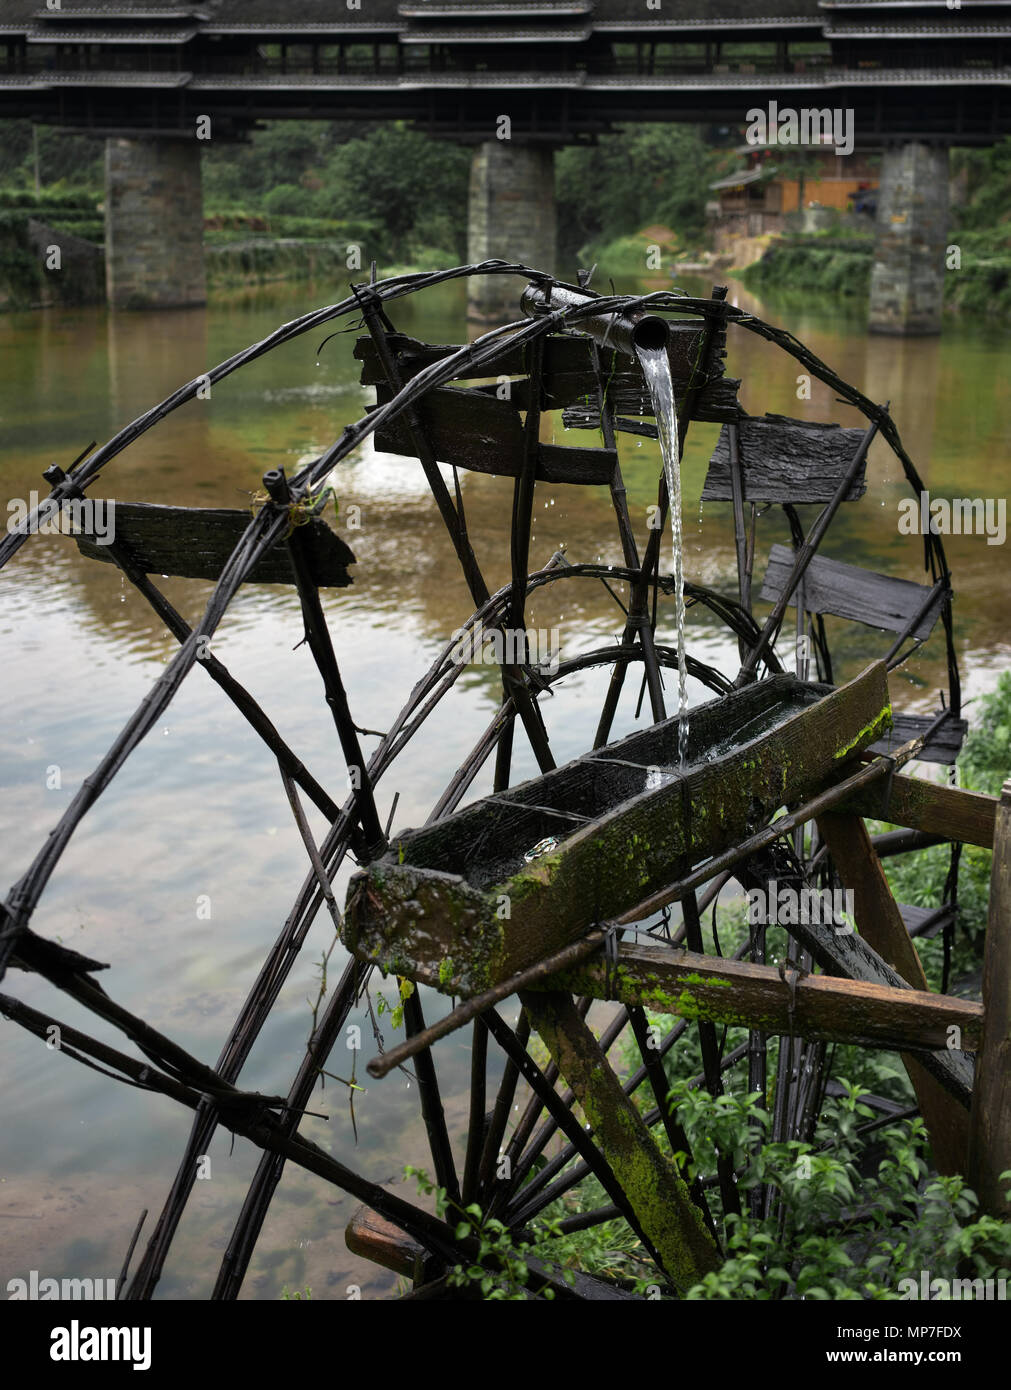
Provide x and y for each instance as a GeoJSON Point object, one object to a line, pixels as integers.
{"type": "Point", "coordinates": [560, 889]}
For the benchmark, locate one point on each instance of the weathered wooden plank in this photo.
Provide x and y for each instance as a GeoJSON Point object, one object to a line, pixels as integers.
{"type": "Point", "coordinates": [922, 805]}
{"type": "Point", "coordinates": [658, 1196]}
{"type": "Point", "coordinates": [569, 379]}
{"type": "Point", "coordinates": [462, 427]}
{"type": "Point", "coordinates": [566, 463]}
{"type": "Point", "coordinates": [830, 586]}
{"type": "Point", "coordinates": [458, 905]}
{"type": "Point", "coordinates": [740, 994]}
{"type": "Point", "coordinates": [880, 922]}
{"type": "Point", "coordinates": [990, 1122]}
{"type": "Point", "coordinates": [626, 388]}
{"type": "Point", "coordinates": [925, 921]}
{"type": "Point", "coordinates": [195, 542]}
{"type": "Point", "coordinates": [784, 460]}
{"type": "Point", "coordinates": [716, 402]}
{"type": "Point", "coordinates": [375, 1238]}
{"type": "Point", "coordinates": [478, 431]}
{"type": "Point", "coordinates": [564, 355]}
{"type": "Point", "coordinates": [943, 746]}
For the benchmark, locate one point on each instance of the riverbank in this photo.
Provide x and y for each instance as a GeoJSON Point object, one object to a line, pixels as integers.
{"type": "Point", "coordinates": [42, 266]}
{"type": "Point", "coordinates": [978, 282]}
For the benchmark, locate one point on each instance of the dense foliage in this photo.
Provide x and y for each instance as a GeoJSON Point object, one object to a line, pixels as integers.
{"type": "Point", "coordinates": [648, 174]}
{"type": "Point", "coordinates": [403, 193]}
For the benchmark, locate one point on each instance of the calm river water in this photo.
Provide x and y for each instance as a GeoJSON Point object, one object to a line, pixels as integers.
{"type": "Point", "coordinates": [199, 811]}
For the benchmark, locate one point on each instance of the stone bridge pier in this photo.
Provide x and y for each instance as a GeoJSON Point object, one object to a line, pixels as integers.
{"type": "Point", "coordinates": [907, 279]}
{"type": "Point", "coordinates": [154, 223]}
{"type": "Point", "coordinates": [511, 216]}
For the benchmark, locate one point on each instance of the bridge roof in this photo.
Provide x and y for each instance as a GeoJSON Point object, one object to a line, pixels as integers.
{"type": "Point", "coordinates": [450, 18]}
{"type": "Point", "coordinates": [632, 12]}
{"type": "Point", "coordinates": [114, 9]}
{"type": "Point", "coordinates": [306, 15]}
{"type": "Point", "coordinates": [84, 34]}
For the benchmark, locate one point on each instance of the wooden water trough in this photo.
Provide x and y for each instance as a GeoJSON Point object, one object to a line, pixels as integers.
{"type": "Point", "coordinates": [468, 902]}
{"type": "Point", "coordinates": [479, 901]}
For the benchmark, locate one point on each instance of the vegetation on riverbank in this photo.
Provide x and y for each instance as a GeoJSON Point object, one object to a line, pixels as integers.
{"type": "Point", "coordinates": [648, 175]}
{"type": "Point", "coordinates": [354, 192]}
{"type": "Point", "coordinates": [820, 263]}
{"type": "Point", "coordinates": [351, 192]}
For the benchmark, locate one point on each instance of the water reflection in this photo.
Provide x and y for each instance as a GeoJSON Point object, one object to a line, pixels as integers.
{"type": "Point", "coordinates": [200, 811]}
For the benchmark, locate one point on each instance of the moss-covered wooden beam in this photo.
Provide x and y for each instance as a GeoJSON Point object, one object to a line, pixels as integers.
{"type": "Point", "coordinates": [880, 923]}
{"type": "Point", "coordinates": [738, 993]}
{"type": "Point", "coordinates": [990, 1133]}
{"type": "Point", "coordinates": [456, 905]}
{"type": "Point", "coordinates": [940, 810]}
{"type": "Point", "coordinates": [668, 1218]}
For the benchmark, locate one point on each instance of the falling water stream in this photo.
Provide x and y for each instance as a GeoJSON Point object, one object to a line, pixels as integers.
{"type": "Point", "coordinates": [656, 369]}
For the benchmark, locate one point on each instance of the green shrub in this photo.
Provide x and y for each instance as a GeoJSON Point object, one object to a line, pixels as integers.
{"type": "Point", "coordinates": [803, 264]}
{"type": "Point", "coordinates": [284, 198]}
{"type": "Point", "coordinates": [838, 1231]}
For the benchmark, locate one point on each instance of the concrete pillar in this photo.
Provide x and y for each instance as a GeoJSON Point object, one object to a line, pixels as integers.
{"type": "Point", "coordinates": [154, 224]}
{"type": "Point", "coordinates": [511, 216]}
{"type": "Point", "coordinates": [907, 279]}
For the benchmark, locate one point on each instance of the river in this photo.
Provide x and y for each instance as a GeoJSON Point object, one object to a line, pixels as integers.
{"type": "Point", "coordinates": [198, 815]}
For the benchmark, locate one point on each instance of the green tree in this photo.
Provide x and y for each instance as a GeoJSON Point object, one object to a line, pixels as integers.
{"type": "Point", "coordinates": [412, 186]}
{"type": "Point", "coordinates": [648, 173]}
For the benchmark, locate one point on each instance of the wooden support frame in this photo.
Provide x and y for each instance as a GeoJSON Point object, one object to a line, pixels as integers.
{"type": "Point", "coordinates": [920, 805]}
{"type": "Point", "coordinates": [736, 993]}
{"type": "Point", "coordinates": [990, 1121]}
{"type": "Point", "coordinates": [880, 923]}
